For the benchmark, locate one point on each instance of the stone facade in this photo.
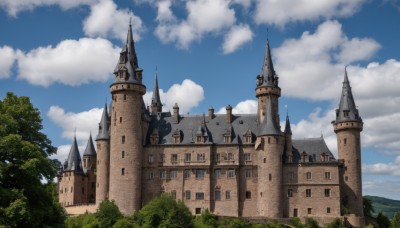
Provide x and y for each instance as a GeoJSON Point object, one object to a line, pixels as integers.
{"type": "Point", "coordinates": [233, 165]}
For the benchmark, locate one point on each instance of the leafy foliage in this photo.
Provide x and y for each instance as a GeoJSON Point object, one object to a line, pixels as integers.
{"type": "Point", "coordinates": [396, 220]}
{"type": "Point", "coordinates": [164, 211]}
{"type": "Point", "coordinates": [24, 200]}
{"type": "Point", "coordinates": [335, 224]}
{"type": "Point", "coordinates": [382, 220]}
{"type": "Point", "coordinates": [311, 223]}
{"type": "Point", "coordinates": [367, 206]}
{"type": "Point", "coordinates": [108, 213]}
{"type": "Point", "coordinates": [296, 222]}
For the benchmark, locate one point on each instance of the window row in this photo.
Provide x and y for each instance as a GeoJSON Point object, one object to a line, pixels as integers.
{"type": "Point", "coordinates": [308, 176]}
{"type": "Point", "coordinates": [188, 157]}
{"type": "Point", "coordinates": [309, 211]}
{"type": "Point", "coordinates": [327, 192]}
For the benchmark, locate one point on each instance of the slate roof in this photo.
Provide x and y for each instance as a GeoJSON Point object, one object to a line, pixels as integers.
{"type": "Point", "coordinates": [314, 147]}
{"type": "Point", "coordinates": [269, 126]}
{"type": "Point", "coordinates": [103, 126]}
{"type": "Point", "coordinates": [73, 162]}
{"type": "Point", "coordinates": [214, 128]}
{"type": "Point", "coordinates": [155, 99]}
{"type": "Point", "coordinates": [90, 151]}
{"type": "Point", "coordinates": [267, 77]}
{"type": "Point", "coordinates": [347, 110]}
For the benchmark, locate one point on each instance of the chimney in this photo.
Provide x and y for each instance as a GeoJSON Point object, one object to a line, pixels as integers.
{"type": "Point", "coordinates": [175, 116]}
{"type": "Point", "coordinates": [229, 114]}
{"type": "Point", "coordinates": [211, 113]}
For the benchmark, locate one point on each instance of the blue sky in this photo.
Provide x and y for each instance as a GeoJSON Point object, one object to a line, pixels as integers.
{"type": "Point", "coordinates": [207, 53]}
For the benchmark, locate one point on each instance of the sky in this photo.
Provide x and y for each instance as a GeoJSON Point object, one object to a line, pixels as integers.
{"type": "Point", "coordinates": [208, 53]}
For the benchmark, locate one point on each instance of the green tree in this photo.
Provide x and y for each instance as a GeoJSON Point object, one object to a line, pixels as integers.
{"type": "Point", "coordinates": [296, 222]}
{"type": "Point", "coordinates": [382, 220]}
{"type": "Point", "coordinates": [311, 223]}
{"type": "Point", "coordinates": [108, 213]}
{"type": "Point", "coordinates": [335, 224]}
{"type": "Point", "coordinates": [164, 211]}
{"type": "Point", "coordinates": [396, 220]}
{"type": "Point", "coordinates": [26, 200]}
{"type": "Point", "coordinates": [368, 207]}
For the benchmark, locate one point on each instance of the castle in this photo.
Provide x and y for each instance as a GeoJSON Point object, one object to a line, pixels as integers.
{"type": "Point", "coordinates": [231, 164]}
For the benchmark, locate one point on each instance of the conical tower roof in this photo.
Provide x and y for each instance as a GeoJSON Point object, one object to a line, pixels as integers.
{"type": "Point", "coordinates": [347, 110]}
{"type": "Point", "coordinates": [268, 75]}
{"type": "Point", "coordinates": [155, 99]}
{"type": "Point", "coordinates": [103, 125]}
{"type": "Point", "coordinates": [288, 129]}
{"type": "Point", "coordinates": [269, 126]}
{"type": "Point", "coordinates": [73, 162]}
{"type": "Point", "coordinates": [89, 151]}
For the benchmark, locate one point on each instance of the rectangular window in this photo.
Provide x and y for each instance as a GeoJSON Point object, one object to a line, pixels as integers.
{"type": "Point", "coordinates": [247, 157]}
{"type": "Point", "coordinates": [200, 157]}
{"type": "Point", "coordinates": [309, 210]}
{"type": "Point", "coordinates": [151, 175]}
{"type": "Point", "coordinates": [162, 158]}
{"type": "Point", "coordinates": [187, 173]}
{"type": "Point", "coordinates": [327, 175]}
{"type": "Point", "coordinates": [228, 195]}
{"type": "Point", "coordinates": [328, 210]}
{"type": "Point", "coordinates": [249, 173]}
{"type": "Point", "coordinates": [188, 157]}
{"type": "Point", "coordinates": [187, 195]}
{"type": "Point", "coordinates": [290, 192]}
{"type": "Point", "coordinates": [123, 139]}
{"type": "Point", "coordinates": [248, 195]}
{"type": "Point", "coordinates": [231, 173]}
{"type": "Point", "coordinates": [174, 158]}
{"type": "Point", "coordinates": [151, 158]}
{"type": "Point", "coordinates": [200, 173]}
{"type": "Point", "coordinates": [198, 210]}
{"type": "Point", "coordinates": [217, 173]}
{"type": "Point", "coordinates": [308, 192]}
{"type": "Point", "coordinates": [308, 175]}
{"type": "Point", "coordinates": [162, 174]}
{"type": "Point", "coordinates": [295, 212]}
{"type": "Point", "coordinates": [174, 174]}
{"type": "Point", "coordinates": [123, 171]}
{"type": "Point", "coordinates": [217, 195]}
{"type": "Point", "coordinates": [230, 156]}
{"type": "Point", "coordinates": [217, 157]}
{"type": "Point", "coordinates": [199, 195]}
{"type": "Point", "coordinates": [327, 192]}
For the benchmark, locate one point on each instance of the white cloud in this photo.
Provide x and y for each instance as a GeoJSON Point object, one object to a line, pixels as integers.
{"type": "Point", "coordinates": [188, 95]}
{"type": "Point", "coordinates": [13, 7]}
{"type": "Point", "coordinates": [82, 122]}
{"type": "Point", "coordinates": [204, 17]}
{"type": "Point", "coordinates": [71, 62]}
{"type": "Point", "coordinates": [282, 12]}
{"type": "Point", "coordinates": [243, 107]}
{"type": "Point", "coordinates": [236, 37]}
{"type": "Point", "coordinates": [105, 20]}
{"type": "Point", "coordinates": [8, 57]}
{"type": "Point", "coordinates": [391, 168]}
{"type": "Point", "coordinates": [387, 187]}
{"type": "Point", "coordinates": [357, 49]}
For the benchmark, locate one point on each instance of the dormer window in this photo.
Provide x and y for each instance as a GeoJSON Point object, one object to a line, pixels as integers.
{"type": "Point", "coordinates": [177, 137]}
{"type": "Point", "coordinates": [227, 138]}
{"type": "Point", "coordinates": [154, 137]}
{"type": "Point", "coordinates": [304, 157]}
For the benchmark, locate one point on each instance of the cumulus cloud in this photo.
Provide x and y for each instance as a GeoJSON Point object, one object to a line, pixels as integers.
{"type": "Point", "coordinates": [391, 168]}
{"type": "Point", "coordinates": [71, 62]}
{"type": "Point", "coordinates": [13, 7]}
{"type": "Point", "coordinates": [187, 95]}
{"type": "Point", "coordinates": [203, 17]}
{"type": "Point", "coordinates": [71, 123]}
{"type": "Point", "coordinates": [8, 57]}
{"type": "Point", "coordinates": [243, 107]}
{"type": "Point", "coordinates": [106, 20]}
{"type": "Point", "coordinates": [282, 12]}
{"type": "Point", "coordinates": [236, 37]}
{"type": "Point", "coordinates": [63, 151]}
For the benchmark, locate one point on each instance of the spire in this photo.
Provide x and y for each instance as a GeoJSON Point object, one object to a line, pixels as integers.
{"type": "Point", "coordinates": [156, 105]}
{"type": "Point", "coordinates": [90, 151]}
{"type": "Point", "coordinates": [127, 69]}
{"type": "Point", "coordinates": [73, 162]}
{"type": "Point", "coordinates": [267, 77]}
{"type": "Point", "coordinates": [268, 126]}
{"type": "Point", "coordinates": [347, 110]}
{"type": "Point", "coordinates": [288, 130]}
{"type": "Point", "coordinates": [103, 125]}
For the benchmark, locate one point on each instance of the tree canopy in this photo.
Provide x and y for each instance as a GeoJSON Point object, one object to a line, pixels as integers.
{"type": "Point", "coordinates": [27, 197]}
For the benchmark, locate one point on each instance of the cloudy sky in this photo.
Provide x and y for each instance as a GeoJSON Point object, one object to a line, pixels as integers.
{"type": "Point", "coordinates": [208, 53]}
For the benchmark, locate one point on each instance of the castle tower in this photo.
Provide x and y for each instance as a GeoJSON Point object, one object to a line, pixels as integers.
{"type": "Point", "coordinates": [103, 158]}
{"type": "Point", "coordinates": [270, 145]}
{"type": "Point", "coordinates": [89, 167]}
{"type": "Point", "coordinates": [156, 105]}
{"type": "Point", "coordinates": [126, 135]}
{"type": "Point", "coordinates": [267, 88]}
{"type": "Point", "coordinates": [347, 126]}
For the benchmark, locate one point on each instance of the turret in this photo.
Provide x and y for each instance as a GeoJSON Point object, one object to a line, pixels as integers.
{"type": "Point", "coordinates": [267, 87]}
{"type": "Point", "coordinates": [74, 162]}
{"type": "Point", "coordinates": [126, 135]}
{"type": "Point", "coordinates": [156, 105]}
{"type": "Point", "coordinates": [347, 126]}
{"type": "Point", "coordinates": [288, 141]}
{"type": "Point", "coordinates": [103, 157]}
{"type": "Point", "coordinates": [270, 145]}
{"type": "Point", "coordinates": [89, 155]}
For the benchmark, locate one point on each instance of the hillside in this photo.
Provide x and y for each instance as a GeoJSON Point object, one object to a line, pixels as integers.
{"type": "Point", "coordinates": [387, 206]}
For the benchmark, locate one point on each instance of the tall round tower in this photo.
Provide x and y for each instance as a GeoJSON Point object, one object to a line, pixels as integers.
{"type": "Point", "coordinates": [270, 145]}
{"type": "Point", "coordinates": [103, 158]}
{"type": "Point", "coordinates": [347, 126]}
{"type": "Point", "coordinates": [126, 131]}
